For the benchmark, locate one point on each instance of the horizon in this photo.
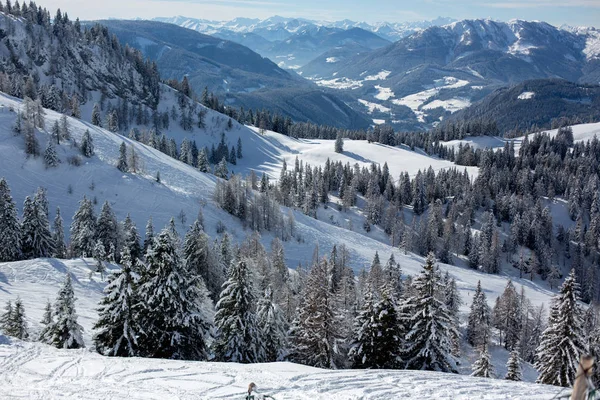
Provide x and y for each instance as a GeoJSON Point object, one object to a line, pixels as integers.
{"type": "Point", "coordinates": [575, 13]}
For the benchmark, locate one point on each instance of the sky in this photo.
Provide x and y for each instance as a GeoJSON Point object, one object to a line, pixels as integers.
{"type": "Point", "coordinates": [556, 12]}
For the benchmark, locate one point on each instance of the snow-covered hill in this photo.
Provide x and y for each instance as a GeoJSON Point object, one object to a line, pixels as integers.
{"type": "Point", "coordinates": [35, 371]}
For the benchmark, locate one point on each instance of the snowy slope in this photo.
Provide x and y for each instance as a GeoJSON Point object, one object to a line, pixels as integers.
{"type": "Point", "coordinates": [185, 188]}
{"type": "Point", "coordinates": [36, 371]}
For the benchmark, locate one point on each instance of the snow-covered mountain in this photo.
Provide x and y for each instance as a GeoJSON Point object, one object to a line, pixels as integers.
{"type": "Point", "coordinates": [431, 73]}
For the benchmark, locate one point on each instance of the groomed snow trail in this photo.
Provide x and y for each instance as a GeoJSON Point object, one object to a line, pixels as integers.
{"type": "Point", "coordinates": [35, 371]}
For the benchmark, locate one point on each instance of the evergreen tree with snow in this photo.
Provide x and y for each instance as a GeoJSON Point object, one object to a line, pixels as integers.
{"type": "Point", "coordinates": [96, 117]}
{"type": "Point", "coordinates": [58, 236]}
{"type": "Point", "coordinates": [176, 310]}
{"type": "Point", "coordinates": [87, 144]}
{"type": "Point", "coordinates": [197, 258]}
{"type": "Point", "coordinates": [429, 341]}
{"type": "Point", "coordinates": [563, 342]}
{"type": "Point", "coordinates": [118, 327]}
{"type": "Point", "coordinates": [36, 235]}
{"type": "Point", "coordinates": [51, 159]}
{"type": "Point", "coordinates": [122, 163]}
{"type": "Point", "coordinates": [316, 331]}
{"type": "Point", "coordinates": [6, 317]}
{"type": "Point", "coordinates": [378, 335]}
{"type": "Point", "coordinates": [10, 226]}
{"type": "Point", "coordinates": [47, 322]}
{"type": "Point", "coordinates": [393, 273]}
{"type": "Point", "coordinates": [483, 367]}
{"type": "Point", "coordinates": [65, 332]}
{"type": "Point", "coordinates": [203, 163]}
{"type": "Point", "coordinates": [478, 325]}
{"type": "Point", "coordinates": [507, 316]}
{"type": "Point", "coordinates": [107, 229]}
{"type": "Point", "coordinates": [513, 367]}
{"type": "Point", "coordinates": [238, 335]}
{"type": "Point", "coordinates": [83, 229]}
{"type": "Point", "coordinates": [16, 324]}
{"type": "Point", "coordinates": [149, 235]}
{"type": "Point", "coordinates": [273, 328]}
{"type": "Point", "coordinates": [221, 170]}
{"type": "Point", "coordinates": [339, 143]}
{"type": "Point", "coordinates": [239, 148]}
{"type": "Point", "coordinates": [131, 240]}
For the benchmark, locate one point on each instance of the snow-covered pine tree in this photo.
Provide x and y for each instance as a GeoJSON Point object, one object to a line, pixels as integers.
{"type": "Point", "coordinates": [429, 341]}
{"type": "Point", "coordinates": [316, 329]}
{"type": "Point", "coordinates": [51, 159]}
{"type": "Point", "coordinates": [175, 313]}
{"type": "Point", "coordinates": [100, 257]}
{"type": "Point", "coordinates": [122, 162]}
{"type": "Point", "coordinates": [96, 117]}
{"type": "Point", "coordinates": [378, 335]}
{"type": "Point", "coordinates": [563, 342]}
{"type": "Point", "coordinates": [10, 227]}
{"type": "Point", "coordinates": [513, 367]}
{"type": "Point", "coordinates": [83, 229]}
{"type": "Point", "coordinates": [203, 164]}
{"type": "Point", "coordinates": [47, 322]}
{"type": "Point", "coordinates": [339, 143]}
{"type": "Point", "coordinates": [238, 335]}
{"type": "Point", "coordinates": [131, 240]}
{"type": "Point", "coordinates": [107, 229]}
{"type": "Point", "coordinates": [198, 260]}
{"type": "Point", "coordinates": [65, 332]}
{"type": "Point", "coordinates": [478, 326]}
{"type": "Point", "coordinates": [87, 144]}
{"type": "Point", "coordinates": [16, 324]}
{"type": "Point", "coordinates": [6, 317]}
{"type": "Point", "coordinates": [393, 273]}
{"type": "Point", "coordinates": [377, 277]}
{"type": "Point", "coordinates": [483, 367]}
{"type": "Point", "coordinates": [273, 328]}
{"type": "Point", "coordinates": [36, 236]}
{"type": "Point", "coordinates": [118, 327]}
{"type": "Point", "coordinates": [58, 236]}
{"type": "Point", "coordinates": [149, 235]}
{"type": "Point", "coordinates": [221, 170]}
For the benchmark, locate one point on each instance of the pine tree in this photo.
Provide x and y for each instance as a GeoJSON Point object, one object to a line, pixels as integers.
{"type": "Point", "coordinates": [507, 316]}
{"type": "Point", "coordinates": [83, 229]}
{"type": "Point", "coordinates": [378, 335]}
{"type": "Point", "coordinates": [238, 335]}
{"type": "Point", "coordinates": [478, 326]}
{"type": "Point", "coordinates": [273, 328]}
{"type": "Point", "coordinates": [96, 117]}
{"type": "Point", "coordinates": [131, 240]}
{"type": "Point", "coordinates": [483, 366]}
{"type": "Point", "coordinates": [513, 367]}
{"type": "Point", "coordinates": [197, 257]}
{"type": "Point", "coordinates": [58, 236]}
{"type": "Point", "coordinates": [316, 329]}
{"type": "Point", "coordinates": [221, 171]}
{"type": "Point", "coordinates": [87, 144]}
{"type": "Point", "coordinates": [47, 322]}
{"type": "Point", "coordinates": [122, 163]}
{"type": "Point", "coordinates": [117, 327]}
{"type": "Point", "coordinates": [16, 325]}
{"type": "Point", "coordinates": [66, 333]}
{"type": "Point", "coordinates": [149, 237]}
{"type": "Point", "coordinates": [203, 164]}
{"type": "Point", "coordinates": [563, 342]}
{"type": "Point", "coordinates": [10, 227]}
{"type": "Point", "coordinates": [429, 341]}
{"type": "Point", "coordinates": [6, 317]}
{"type": "Point", "coordinates": [107, 229]}
{"type": "Point", "coordinates": [339, 143]}
{"type": "Point", "coordinates": [36, 235]}
{"type": "Point", "coordinates": [51, 159]}
{"type": "Point", "coordinates": [239, 148]}
{"type": "Point", "coordinates": [175, 302]}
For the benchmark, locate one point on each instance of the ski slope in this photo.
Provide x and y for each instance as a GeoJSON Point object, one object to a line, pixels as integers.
{"type": "Point", "coordinates": [35, 371]}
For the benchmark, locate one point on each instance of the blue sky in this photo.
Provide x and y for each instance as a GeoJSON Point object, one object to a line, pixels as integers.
{"type": "Point", "coordinates": [557, 12]}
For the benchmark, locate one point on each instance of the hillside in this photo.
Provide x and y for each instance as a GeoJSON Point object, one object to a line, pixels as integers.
{"type": "Point", "coordinates": [35, 371]}
{"type": "Point", "coordinates": [536, 103]}
{"type": "Point", "coordinates": [234, 73]}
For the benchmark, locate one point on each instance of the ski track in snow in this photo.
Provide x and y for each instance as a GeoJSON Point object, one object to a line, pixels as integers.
{"type": "Point", "coordinates": [35, 371]}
